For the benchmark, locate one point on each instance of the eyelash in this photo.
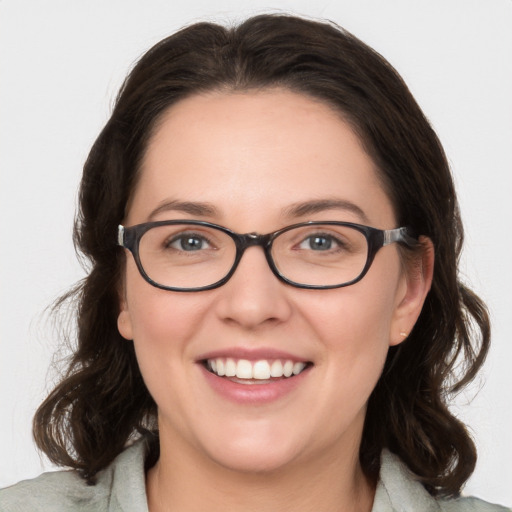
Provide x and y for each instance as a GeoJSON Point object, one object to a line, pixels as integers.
{"type": "Point", "coordinates": [339, 243]}
{"type": "Point", "coordinates": [182, 236]}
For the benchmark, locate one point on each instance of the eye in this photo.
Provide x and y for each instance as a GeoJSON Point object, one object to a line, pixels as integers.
{"type": "Point", "coordinates": [188, 242]}
{"type": "Point", "coordinates": [319, 242]}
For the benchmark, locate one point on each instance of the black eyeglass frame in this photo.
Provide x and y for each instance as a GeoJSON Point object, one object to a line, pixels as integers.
{"type": "Point", "coordinates": [129, 238]}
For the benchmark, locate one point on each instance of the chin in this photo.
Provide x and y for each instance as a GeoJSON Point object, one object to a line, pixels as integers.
{"type": "Point", "coordinates": [254, 461]}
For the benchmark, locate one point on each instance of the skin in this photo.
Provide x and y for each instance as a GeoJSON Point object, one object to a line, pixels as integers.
{"type": "Point", "coordinates": [252, 155]}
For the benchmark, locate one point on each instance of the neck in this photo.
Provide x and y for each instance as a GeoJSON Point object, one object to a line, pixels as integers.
{"type": "Point", "coordinates": [179, 483]}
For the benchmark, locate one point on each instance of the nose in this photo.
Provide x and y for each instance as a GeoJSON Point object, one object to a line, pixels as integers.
{"type": "Point", "coordinates": [254, 295]}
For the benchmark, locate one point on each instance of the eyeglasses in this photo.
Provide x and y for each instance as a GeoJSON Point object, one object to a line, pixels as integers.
{"type": "Point", "coordinates": [193, 255]}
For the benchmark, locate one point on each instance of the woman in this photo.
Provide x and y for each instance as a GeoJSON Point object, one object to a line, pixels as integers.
{"type": "Point", "coordinates": [273, 316]}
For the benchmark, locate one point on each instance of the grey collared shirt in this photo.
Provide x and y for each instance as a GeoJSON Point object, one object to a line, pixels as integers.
{"type": "Point", "coordinates": [121, 488]}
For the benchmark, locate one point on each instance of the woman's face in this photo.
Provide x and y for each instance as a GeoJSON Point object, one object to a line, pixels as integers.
{"type": "Point", "coordinates": [248, 161]}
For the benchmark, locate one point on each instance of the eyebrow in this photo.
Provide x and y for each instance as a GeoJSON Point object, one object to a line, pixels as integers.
{"type": "Point", "coordinates": [192, 208]}
{"type": "Point", "coordinates": [322, 205]}
{"type": "Point", "coordinates": [203, 209]}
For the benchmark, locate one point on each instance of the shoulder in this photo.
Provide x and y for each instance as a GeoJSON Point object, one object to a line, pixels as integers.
{"type": "Point", "coordinates": [399, 490]}
{"type": "Point", "coordinates": [470, 505]}
{"type": "Point", "coordinates": [120, 484]}
{"type": "Point", "coordinates": [56, 491]}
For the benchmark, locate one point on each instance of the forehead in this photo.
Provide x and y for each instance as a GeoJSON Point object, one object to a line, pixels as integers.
{"type": "Point", "coordinates": [244, 152]}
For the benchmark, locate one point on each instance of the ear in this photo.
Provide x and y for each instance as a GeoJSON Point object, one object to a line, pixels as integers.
{"type": "Point", "coordinates": [412, 291]}
{"type": "Point", "coordinates": [124, 321]}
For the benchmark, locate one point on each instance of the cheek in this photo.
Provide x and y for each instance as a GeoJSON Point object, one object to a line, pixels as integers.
{"type": "Point", "coordinates": [161, 322]}
{"type": "Point", "coordinates": [164, 326]}
{"type": "Point", "coordinates": [354, 323]}
{"type": "Point", "coordinates": [351, 329]}
{"type": "Point", "coordinates": [352, 314]}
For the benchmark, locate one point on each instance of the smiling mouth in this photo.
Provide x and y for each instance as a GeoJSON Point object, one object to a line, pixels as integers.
{"type": "Point", "coordinates": [255, 372]}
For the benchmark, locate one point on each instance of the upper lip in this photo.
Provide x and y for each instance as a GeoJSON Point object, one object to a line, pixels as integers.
{"type": "Point", "coordinates": [254, 354]}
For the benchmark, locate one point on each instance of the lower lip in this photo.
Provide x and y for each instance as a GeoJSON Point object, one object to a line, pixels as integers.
{"type": "Point", "coordinates": [253, 393]}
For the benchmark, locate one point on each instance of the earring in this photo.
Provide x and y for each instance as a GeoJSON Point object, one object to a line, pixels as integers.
{"type": "Point", "coordinates": [403, 334]}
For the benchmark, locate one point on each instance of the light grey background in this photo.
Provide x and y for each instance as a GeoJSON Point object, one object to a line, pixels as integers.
{"type": "Point", "coordinates": [61, 64]}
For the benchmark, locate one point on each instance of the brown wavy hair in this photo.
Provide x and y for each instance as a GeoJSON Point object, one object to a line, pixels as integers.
{"type": "Point", "coordinates": [102, 402]}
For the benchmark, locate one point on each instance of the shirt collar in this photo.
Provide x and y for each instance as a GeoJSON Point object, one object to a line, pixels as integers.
{"type": "Point", "coordinates": [398, 489]}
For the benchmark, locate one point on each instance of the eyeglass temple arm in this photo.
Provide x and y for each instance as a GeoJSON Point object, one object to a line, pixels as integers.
{"type": "Point", "coordinates": [120, 235]}
{"type": "Point", "coordinates": [399, 235]}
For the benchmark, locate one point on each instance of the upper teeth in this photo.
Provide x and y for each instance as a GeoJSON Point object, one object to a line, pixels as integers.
{"type": "Point", "coordinates": [260, 370]}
